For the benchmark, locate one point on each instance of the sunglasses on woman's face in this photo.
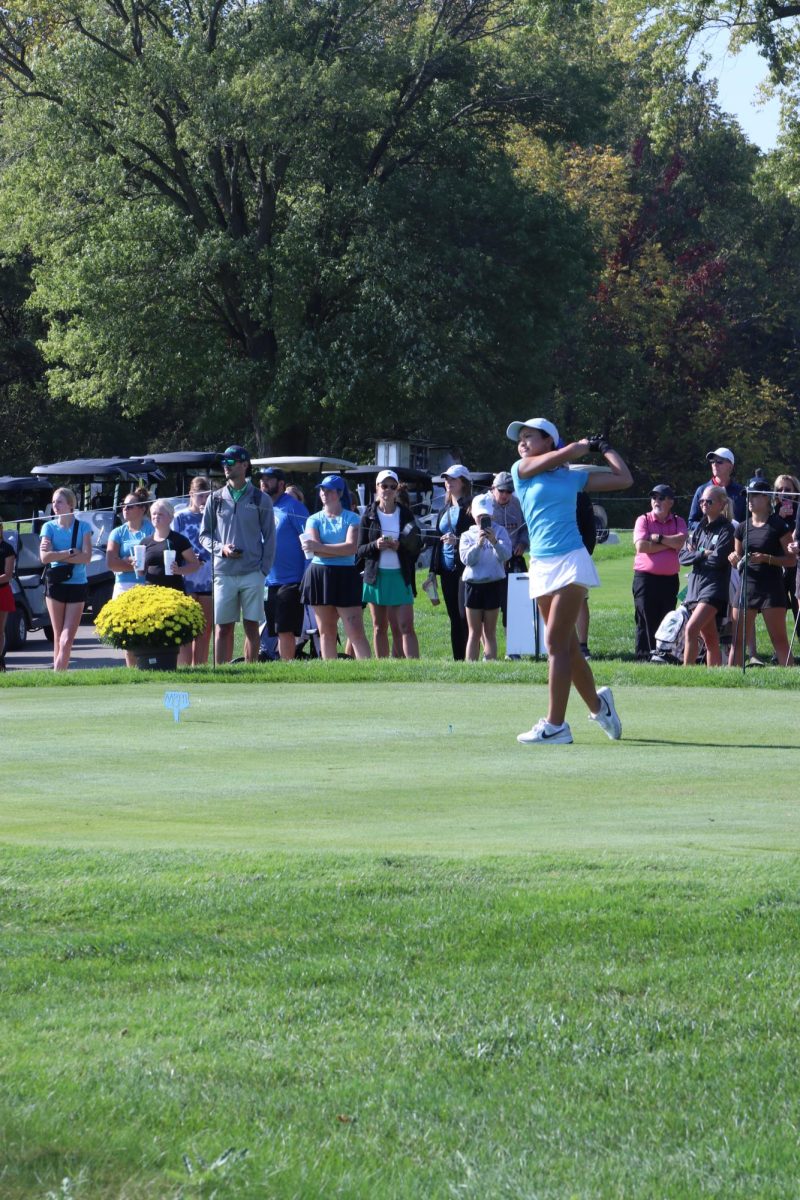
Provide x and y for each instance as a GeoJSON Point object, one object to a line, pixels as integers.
{"type": "Point", "coordinates": [388, 483]}
{"type": "Point", "coordinates": [711, 501]}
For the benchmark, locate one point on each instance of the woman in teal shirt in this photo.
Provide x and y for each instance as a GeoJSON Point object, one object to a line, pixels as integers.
{"type": "Point", "coordinates": [332, 585]}
{"type": "Point", "coordinates": [64, 544]}
{"type": "Point", "coordinates": [560, 567]}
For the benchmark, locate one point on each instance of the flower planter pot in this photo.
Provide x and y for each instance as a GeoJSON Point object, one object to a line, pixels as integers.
{"type": "Point", "coordinates": [150, 658]}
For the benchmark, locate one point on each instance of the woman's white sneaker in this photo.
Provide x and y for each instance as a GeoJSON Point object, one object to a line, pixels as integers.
{"type": "Point", "coordinates": [543, 731]}
{"type": "Point", "coordinates": [607, 718]}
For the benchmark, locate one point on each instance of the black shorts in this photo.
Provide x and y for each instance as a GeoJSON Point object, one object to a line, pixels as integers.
{"type": "Point", "coordinates": [69, 593]}
{"type": "Point", "coordinates": [485, 595]}
{"type": "Point", "coordinates": [337, 587]}
{"type": "Point", "coordinates": [769, 594]}
{"type": "Point", "coordinates": [284, 609]}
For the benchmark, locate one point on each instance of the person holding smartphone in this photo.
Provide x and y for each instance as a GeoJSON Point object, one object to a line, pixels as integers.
{"type": "Point", "coordinates": [484, 549]}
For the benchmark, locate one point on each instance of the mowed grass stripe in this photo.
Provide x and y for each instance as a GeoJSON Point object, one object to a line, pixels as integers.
{"type": "Point", "coordinates": [546, 1027]}
{"type": "Point", "coordinates": [424, 768]}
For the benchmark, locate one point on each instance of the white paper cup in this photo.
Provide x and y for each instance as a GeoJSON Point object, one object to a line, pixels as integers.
{"type": "Point", "coordinates": [138, 559]}
{"type": "Point", "coordinates": [305, 538]}
{"type": "Point", "coordinates": [169, 561]}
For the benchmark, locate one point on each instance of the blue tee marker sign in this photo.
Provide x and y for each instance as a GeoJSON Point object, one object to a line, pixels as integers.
{"type": "Point", "coordinates": [177, 701]}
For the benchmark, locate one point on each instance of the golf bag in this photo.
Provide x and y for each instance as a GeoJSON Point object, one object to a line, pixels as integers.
{"type": "Point", "coordinates": [670, 636]}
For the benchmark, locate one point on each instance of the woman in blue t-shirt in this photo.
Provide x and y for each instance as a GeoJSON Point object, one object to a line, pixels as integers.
{"type": "Point", "coordinates": [332, 585]}
{"type": "Point", "coordinates": [65, 541]}
{"type": "Point", "coordinates": [122, 547]}
{"type": "Point", "coordinates": [561, 569]}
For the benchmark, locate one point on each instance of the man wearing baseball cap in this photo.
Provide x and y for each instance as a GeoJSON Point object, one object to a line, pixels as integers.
{"type": "Point", "coordinates": [722, 463]}
{"type": "Point", "coordinates": [238, 530]}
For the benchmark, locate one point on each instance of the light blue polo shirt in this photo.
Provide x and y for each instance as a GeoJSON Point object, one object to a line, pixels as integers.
{"type": "Point", "coordinates": [126, 540]}
{"type": "Point", "coordinates": [548, 504]}
{"type": "Point", "coordinates": [61, 539]}
{"type": "Point", "coordinates": [330, 531]}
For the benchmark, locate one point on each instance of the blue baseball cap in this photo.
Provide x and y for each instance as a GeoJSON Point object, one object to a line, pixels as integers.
{"type": "Point", "coordinates": [237, 453]}
{"type": "Point", "coordinates": [333, 483]}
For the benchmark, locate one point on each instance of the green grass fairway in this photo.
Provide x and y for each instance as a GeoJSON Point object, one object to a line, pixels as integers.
{"type": "Point", "coordinates": [355, 942]}
{"type": "Point", "coordinates": [438, 771]}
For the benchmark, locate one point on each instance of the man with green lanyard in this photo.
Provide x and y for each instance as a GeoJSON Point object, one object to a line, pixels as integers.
{"type": "Point", "coordinates": [238, 529]}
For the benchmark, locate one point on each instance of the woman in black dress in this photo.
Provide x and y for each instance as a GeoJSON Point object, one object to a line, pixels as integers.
{"type": "Point", "coordinates": [787, 505]}
{"type": "Point", "coordinates": [767, 537]}
{"type": "Point", "coordinates": [706, 551]}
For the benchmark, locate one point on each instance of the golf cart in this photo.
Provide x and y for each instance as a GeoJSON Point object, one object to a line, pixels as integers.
{"type": "Point", "coordinates": [303, 464]}
{"type": "Point", "coordinates": [100, 484]}
{"type": "Point", "coordinates": [30, 610]}
{"type": "Point", "coordinates": [417, 482]}
{"type": "Point", "coordinates": [180, 467]}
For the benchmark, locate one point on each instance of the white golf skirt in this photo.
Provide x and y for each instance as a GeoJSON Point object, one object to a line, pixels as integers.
{"type": "Point", "coordinates": [548, 575]}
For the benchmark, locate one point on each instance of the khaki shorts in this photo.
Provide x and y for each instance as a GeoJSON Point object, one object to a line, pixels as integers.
{"type": "Point", "coordinates": [239, 593]}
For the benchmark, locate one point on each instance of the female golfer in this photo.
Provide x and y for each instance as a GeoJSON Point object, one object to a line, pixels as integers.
{"type": "Point", "coordinates": [560, 568]}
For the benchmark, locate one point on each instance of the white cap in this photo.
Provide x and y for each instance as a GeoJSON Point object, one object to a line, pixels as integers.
{"type": "Point", "coordinates": [379, 478]}
{"type": "Point", "coordinates": [721, 452]}
{"type": "Point", "coordinates": [534, 423]}
{"type": "Point", "coordinates": [457, 471]}
{"type": "Point", "coordinates": [483, 505]}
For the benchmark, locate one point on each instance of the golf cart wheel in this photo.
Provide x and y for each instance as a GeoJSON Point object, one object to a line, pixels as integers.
{"type": "Point", "coordinates": [16, 630]}
{"type": "Point", "coordinates": [100, 596]}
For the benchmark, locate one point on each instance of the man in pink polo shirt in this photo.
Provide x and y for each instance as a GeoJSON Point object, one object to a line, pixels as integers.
{"type": "Point", "coordinates": [658, 536]}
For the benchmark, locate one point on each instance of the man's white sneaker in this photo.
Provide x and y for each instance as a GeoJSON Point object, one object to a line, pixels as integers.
{"type": "Point", "coordinates": [607, 717]}
{"type": "Point", "coordinates": [543, 731]}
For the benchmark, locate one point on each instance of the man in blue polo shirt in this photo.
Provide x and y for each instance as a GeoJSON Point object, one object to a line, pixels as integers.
{"type": "Point", "coordinates": [284, 608]}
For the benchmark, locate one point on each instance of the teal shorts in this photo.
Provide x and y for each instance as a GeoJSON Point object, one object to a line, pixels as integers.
{"type": "Point", "coordinates": [390, 590]}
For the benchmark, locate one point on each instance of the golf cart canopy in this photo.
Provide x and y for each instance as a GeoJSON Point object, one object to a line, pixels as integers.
{"type": "Point", "coordinates": [103, 468]}
{"type": "Point", "coordinates": [186, 460]}
{"type": "Point", "coordinates": [309, 464]}
{"type": "Point", "coordinates": [24, 483]}
{"type": "Point", "coordinates": [420, 480]}
{"type": "Point", "coordinates": [477, 478]}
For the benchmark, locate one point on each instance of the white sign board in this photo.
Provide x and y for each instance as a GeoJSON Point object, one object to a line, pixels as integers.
{"type": "Point", "coordinates": [525, 631]}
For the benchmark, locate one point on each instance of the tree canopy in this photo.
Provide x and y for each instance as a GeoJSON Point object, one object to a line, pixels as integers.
{"type": "Point", "coordinates": [294, 213]}
{"type": "Point", "coordinates": [305, 223]}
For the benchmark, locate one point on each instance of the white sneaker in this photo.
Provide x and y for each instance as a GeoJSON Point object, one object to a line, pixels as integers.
{"type": "Point", "coordinates": [543, 731]}
{"type": "Point", "coordinates": [607, 717]}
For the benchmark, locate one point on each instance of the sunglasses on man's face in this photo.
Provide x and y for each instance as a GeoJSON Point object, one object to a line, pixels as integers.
{"type": "Point", "coordinates": [229, 462]}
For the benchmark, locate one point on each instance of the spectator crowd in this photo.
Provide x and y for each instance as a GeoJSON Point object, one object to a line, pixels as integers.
{"type": "Point", "coordinates": [300, 576]}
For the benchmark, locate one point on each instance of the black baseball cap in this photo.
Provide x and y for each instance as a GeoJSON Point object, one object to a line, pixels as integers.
{"type": "Point", "coordinates": [237, 453]}
{"type": "Point", "coordinates": [663, 491]}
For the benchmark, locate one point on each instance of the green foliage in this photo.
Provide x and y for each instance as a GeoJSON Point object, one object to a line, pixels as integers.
{"type": "Point", "coordinates": [294, 214]}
